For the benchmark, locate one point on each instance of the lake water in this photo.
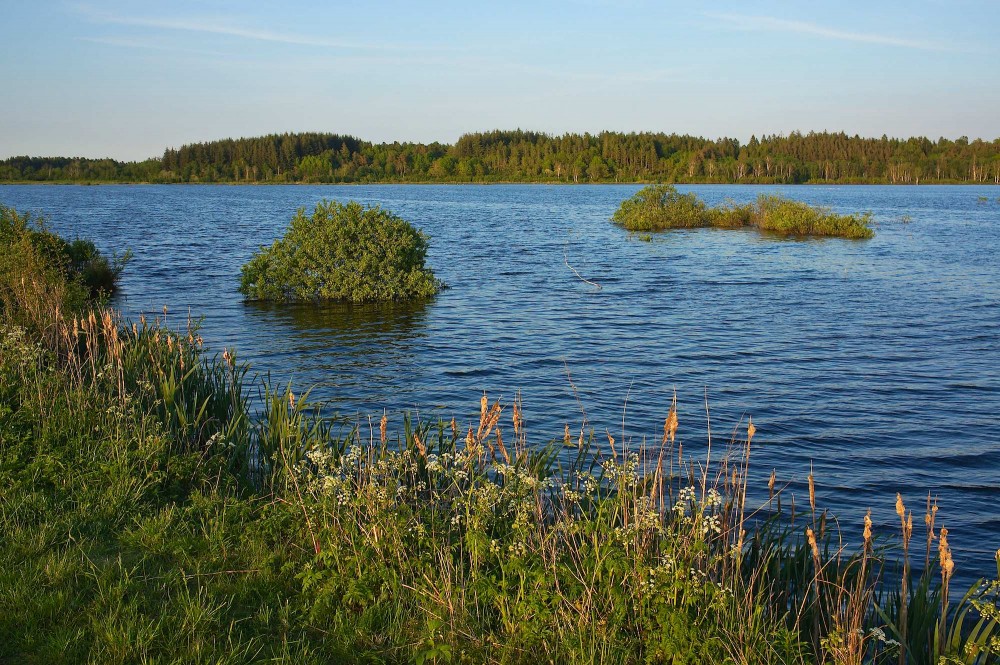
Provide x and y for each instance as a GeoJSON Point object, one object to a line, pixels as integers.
{"type": "Point", "coordinates": [876, 362]}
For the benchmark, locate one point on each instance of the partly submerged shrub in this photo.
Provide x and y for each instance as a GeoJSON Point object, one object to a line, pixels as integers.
{"type": "Point", "coordinates": [662, 207]}
{"type": "Point", "coordinates": [344, 252]}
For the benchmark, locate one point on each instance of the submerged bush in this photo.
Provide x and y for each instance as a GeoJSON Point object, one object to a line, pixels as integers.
{"type": "Point", "coordinates": [342, 252]}
{"type": "Point", "coordinates": [662, 207]}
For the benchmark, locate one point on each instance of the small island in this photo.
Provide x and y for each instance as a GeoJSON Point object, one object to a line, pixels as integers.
{"type": "Point", "coordinates": [662, 207]}
{"type": "Point", "coordinates": [342, 252]}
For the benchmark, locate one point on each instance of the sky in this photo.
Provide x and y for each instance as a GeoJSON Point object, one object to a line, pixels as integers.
{"type": "Point", "coordinates": [129, 79]}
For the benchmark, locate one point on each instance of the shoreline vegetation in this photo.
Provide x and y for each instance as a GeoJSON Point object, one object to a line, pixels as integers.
{"type": "Point", "coordinates": [532, 157]}
{"type": "Point", "coordinates": [152, 511]}
{"type": "Point", "coordinates": [662, 207]}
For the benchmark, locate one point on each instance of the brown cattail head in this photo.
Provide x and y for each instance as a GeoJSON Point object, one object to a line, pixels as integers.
{"type": "Point", "coordinates": [420, 445]}
{"type": "Point", "coordinates": [944, 554]}
{"type": "Point", "coordinates": [812, 490]}
{"type": "Point", "coordinates": [908, 529]}
{"type": "Point", "coordinates": [900, 509]}
{"type": "Point", "coordinates": [566, 437]}
{"type": "Point", "coordinates": [670, 424]}
{"type": "Point", "coordinates": [770, 484]}
{"type": "Point", "coordinates": [811, 537]}
{"type": "Point", "coordinates": [517, 419]}
{"type": "Point", "coordinates": [291, 400]}
{"type": "Point", "coordinates": [484, 403]}
{"type": "Point", "coordinates": [868, 527]}
{"type": "Point", "coordinates": [751, 430]}
{"type": "Point", "coordinates": [383, 426]}
{"type": "Point", "coordinates": [454, 430]}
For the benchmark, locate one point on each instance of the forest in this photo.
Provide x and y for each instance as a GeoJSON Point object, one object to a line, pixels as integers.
{"type": "Point", "coordinates": [525, 156]}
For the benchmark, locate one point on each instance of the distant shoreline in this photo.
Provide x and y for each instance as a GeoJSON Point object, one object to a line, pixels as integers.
{"type": "Point", "coordinates": [424, 183]}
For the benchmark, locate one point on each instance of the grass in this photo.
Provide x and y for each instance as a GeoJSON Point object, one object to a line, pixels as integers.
{"type": "Point", "coordinates": [662, 207]}
{"type": "Point", "coordinates": [151, 514]}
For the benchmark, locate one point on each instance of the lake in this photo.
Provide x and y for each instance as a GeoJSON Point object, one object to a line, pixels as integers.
{"type": "Point", "coordinates": [876, 363]}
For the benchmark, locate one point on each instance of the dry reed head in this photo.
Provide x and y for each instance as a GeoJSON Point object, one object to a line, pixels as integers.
{"type": "Point", "coordinates": [383, 426]}
{"type": "Point", "coordinates": [291, 400]}
{"type": "Point", "coordinates": [751, 430]}
{"type": "Point", "coordinates": [484, 403]}
{"type": "Point", "coordinates": [670, 424]}
{"type": "Point", "coordinates": [518, 421]}
{"type": "Point", "coordinates": [566, 437]}
{"type": "Point", "coordinates": [812, 490]}
{"type": "Point", "coordinates": [811, 537]}
{"type": "Point", "coordinates": [900, 509]}
{"type": "Point", "coordinates": [868, 528]}
{"type": "Point", "coordinates": [944, 554]}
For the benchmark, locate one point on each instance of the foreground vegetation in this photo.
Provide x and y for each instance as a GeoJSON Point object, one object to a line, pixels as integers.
{"type": "Point", "coordinates": [151, 513]}
{"type": "Point", "coordinates": [662, 207]}
{"type": "Point", "coordinates": [342, 252]}
{"type": "Point", "coordinates": [521, 156]}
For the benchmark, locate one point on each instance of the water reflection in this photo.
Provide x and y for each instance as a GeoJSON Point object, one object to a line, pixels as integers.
{"type": "Point", "coordinates": [343, 349]}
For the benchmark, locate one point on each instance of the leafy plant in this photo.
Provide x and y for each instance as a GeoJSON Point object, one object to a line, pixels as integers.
{"type": "Point", "coordinates": [342, 252]}
{"type": "Point", "coordinates": [661, 207]}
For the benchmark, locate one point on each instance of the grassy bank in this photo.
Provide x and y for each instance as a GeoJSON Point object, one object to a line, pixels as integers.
{"type": "Point", "coordinates": [151, 514]}
{"type": "Point", "coordinates": [662, 207]}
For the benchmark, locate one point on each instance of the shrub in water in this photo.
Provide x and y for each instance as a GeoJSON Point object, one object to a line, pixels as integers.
{"type": "Point", "coordinates": [661, 207]}
{"type": "Point", "coordinates": [345, 252]}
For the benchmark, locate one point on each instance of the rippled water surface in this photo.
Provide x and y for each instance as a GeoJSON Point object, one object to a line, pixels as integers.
{"type": "Point", "coordinates": [878, 362]}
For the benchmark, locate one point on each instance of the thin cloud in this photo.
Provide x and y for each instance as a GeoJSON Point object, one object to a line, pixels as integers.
{"type": "Point", "coordinates": [215, 27]}
{"type": "Point", "coordinates": [773, 24]}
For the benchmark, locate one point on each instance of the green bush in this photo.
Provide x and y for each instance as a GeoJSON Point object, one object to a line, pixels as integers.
{"type": "Point", "coordinates": [25, 240]}
{"type": "Point", "coordinates": [342, 252]}
{"type": "Point", "coordinates": [662, 207]}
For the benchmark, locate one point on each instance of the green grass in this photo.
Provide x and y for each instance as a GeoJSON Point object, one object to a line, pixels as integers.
{"type": "Point", "coordinates": [151, 514]}
{"type": "Point", "coordinates": [662, 207]}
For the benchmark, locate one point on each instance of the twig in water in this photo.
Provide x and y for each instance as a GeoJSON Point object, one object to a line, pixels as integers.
{"type": "Point", "coordinates": [582, 278]}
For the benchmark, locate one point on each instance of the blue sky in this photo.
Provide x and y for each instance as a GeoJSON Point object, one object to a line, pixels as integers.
{"type": "Point", "coordinates": [127, 79]}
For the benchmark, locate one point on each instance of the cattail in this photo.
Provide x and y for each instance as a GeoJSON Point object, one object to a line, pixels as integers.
{"type": "Point", "coordinates": [944, 553]}
{"type": "Point", "coordinates": [811, 537]}
{"type": "Point", "coordinates": [908, 529]}
{"type": "Point", "coordinates": [503, 448]}
{"type": "Point", "coordinates": [812, 490]}
{"type": "Point", "coordinates": [517, 419]}
{"type": "Point", "coordinates": [900, 509]}
{"type": "Point", "coordinates": [566, 437]}
{"type": "Point", "coordinates": [291, 400]}
{"type": "Point", "coordinates": [382, 428]}
{"type": "Point", "coordinates": [868, 528]}
{"type": "Point", "coordinates": [751, 430]}
{"type": "Point", "coordinates": [670, 424]}
{"type": "Point", "coordinates": [470, 441]}
{"type": "Point", "coordinates": [770, 486]}
{"type": "Point", "coordinates": [483, 404]}
{"type": "Point", "coordinates": [420, 445]}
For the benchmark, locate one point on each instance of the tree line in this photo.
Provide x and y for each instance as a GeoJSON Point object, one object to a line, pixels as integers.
{"type": "Point", "coordinates": [524, 156]}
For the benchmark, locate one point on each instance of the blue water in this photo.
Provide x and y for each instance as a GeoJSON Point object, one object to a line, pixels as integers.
{"type": "Point", "coordinates": [876, 362]}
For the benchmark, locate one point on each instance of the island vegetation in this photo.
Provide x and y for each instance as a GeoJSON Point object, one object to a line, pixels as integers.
{"type": "Point", "coordinates": [662, 207]}
{"type": "Point", "coordinates": [152, 511]}
{"type": "Point", "coordinates": [524, 156]}
{"type": "Point", "coordinates": [342, 252]}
